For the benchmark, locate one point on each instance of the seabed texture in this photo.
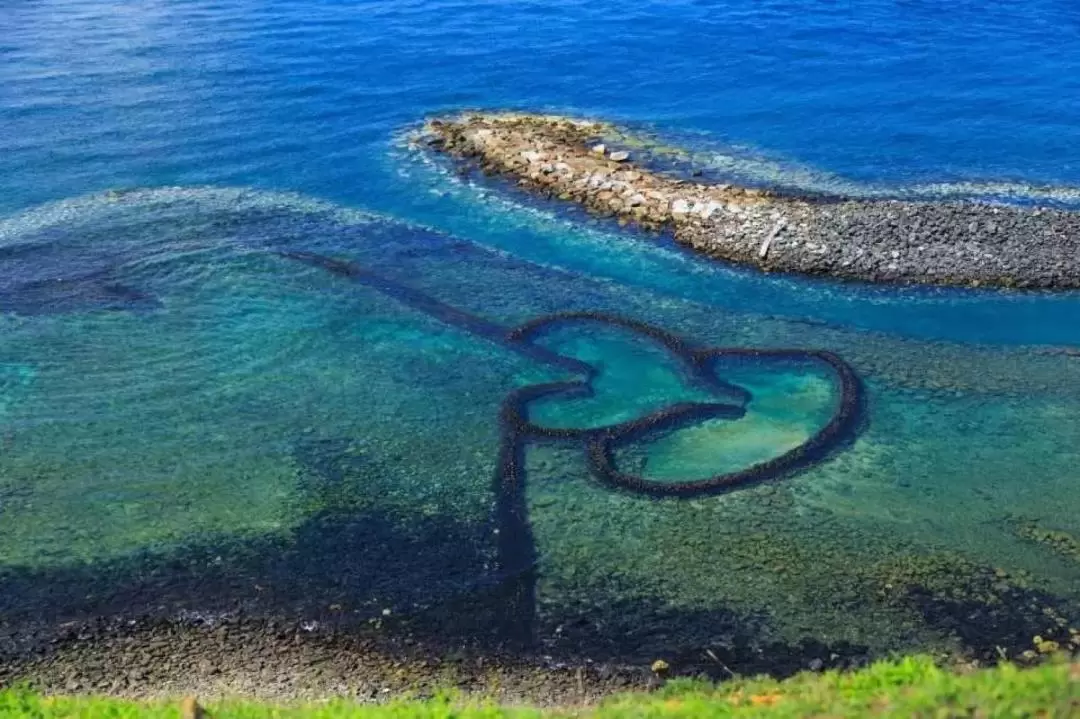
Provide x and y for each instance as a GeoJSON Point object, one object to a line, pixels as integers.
{"type": "Point", "coordinates": [254, 440]}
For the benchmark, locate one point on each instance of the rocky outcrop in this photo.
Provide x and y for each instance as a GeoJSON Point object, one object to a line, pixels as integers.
{"type": "Point", "coordinates": [957, 243]}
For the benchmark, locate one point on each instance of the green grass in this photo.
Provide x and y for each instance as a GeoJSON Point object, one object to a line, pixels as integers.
{"type": "Point", "coordinates": [905, 688]}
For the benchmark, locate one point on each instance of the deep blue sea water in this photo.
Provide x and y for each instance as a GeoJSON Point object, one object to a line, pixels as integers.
{"type": "Point", "coordinates": [166, 383]}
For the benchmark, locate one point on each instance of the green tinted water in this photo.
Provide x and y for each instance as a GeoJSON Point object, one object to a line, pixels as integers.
{"type": "Point", "coordinates": [266, 413]}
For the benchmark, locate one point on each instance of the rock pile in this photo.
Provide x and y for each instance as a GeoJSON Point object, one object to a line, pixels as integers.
{"type": "Point", "coordinates": [956, 243]}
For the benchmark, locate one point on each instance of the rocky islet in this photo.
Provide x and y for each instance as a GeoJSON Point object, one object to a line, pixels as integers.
{"type": "Point", "coordinates": [880, 240]}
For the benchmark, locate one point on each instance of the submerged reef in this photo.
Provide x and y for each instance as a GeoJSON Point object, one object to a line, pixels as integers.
{"type": "Point", "coordinates": [516, 545]}
{"type": "Point", "coordinates": [993, 614]}
{"type": "Point", "coordinates": [600, 442]}
{"type": "Point", "coordinates": [1058, 541]}
{"type": "Point", "coordinates": [469, 526]}
{"type": "Point", "coordinates": [879, 240]}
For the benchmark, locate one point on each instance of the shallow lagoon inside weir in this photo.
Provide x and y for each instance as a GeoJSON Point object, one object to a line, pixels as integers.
{"type": "Point", "coordinates": [303, 414]}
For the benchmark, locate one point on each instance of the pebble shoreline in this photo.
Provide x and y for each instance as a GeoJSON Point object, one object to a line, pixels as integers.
{"type": "Point", "coordinates": [284, 660]}
{"type": "Point", "coordinates": [895, 241]}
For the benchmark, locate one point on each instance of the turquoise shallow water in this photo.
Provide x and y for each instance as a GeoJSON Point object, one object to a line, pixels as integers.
{"type": "Point", "coordinates": [261, 412]}
{"type": "Point", "coordinates": [191, 422]}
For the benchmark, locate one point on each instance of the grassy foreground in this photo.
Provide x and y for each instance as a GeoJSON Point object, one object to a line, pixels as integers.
{"type": "Point", "coordinates": [908, 687]}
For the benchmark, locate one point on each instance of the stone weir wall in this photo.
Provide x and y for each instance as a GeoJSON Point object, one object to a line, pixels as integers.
{"type": "Point", "coordinates": [953, 243]}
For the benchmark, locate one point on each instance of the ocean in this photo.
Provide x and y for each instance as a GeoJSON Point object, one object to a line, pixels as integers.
{"type": "Point", "coordinates": [173, 386]}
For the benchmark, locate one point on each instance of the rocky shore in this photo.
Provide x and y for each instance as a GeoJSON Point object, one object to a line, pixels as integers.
{"type": "Point", "coordinates": [284, 660]}
{"type": "Point", "coordinates": [942, 243]}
